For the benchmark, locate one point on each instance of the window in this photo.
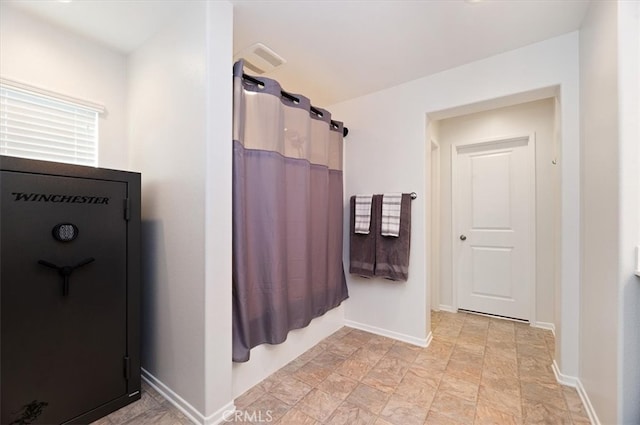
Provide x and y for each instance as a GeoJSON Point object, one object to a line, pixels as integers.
{"type": "Point", "coordinates": [40, 125]}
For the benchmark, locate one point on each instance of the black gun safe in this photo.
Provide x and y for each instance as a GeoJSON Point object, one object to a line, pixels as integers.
{"type": "Point", "coordinates": [70, 292]}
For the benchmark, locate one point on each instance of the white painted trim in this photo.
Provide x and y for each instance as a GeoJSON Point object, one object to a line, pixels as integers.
{"type": "Point", "coordinates": [181, 404]}
{"type": "Point", "coordinates": [447, 308]}
{"type": "Point", "coordinates": [545, 325]}
{"type": "Point", "coordinates": [19, 85]}
{"type": "Point", "coordinates": [489, 142]}
{"type": "Point", "coordinates": [184, 406]}
{"type": "Point", "coordinates": [434, 234]}
{"type": "Point", "coordinates": [453, 166]}
{"type": "Point", "coordinates": [222, 416]}
{"type": "Point", "coordinates": [572, 381]}
{"type": "Point", "coordinates": [390, 334]}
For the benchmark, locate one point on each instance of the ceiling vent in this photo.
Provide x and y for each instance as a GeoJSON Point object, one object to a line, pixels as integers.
{"type": "Point", "coordinates": [260, 59]}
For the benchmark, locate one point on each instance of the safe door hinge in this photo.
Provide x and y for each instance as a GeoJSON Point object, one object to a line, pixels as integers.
{"type": "Point", "coordinates": [127, 367]}
{"type": "Point", "coordinates": [127, 209]}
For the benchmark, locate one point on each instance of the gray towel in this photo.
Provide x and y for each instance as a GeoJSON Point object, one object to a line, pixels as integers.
{"type": "Point", "coordinates": [362, 248]}
{"type": "Point", "coordinates": [392, 254]}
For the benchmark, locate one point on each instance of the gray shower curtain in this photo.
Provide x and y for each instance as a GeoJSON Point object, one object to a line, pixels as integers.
{"type": "Point", "coordinates": [287, 214]}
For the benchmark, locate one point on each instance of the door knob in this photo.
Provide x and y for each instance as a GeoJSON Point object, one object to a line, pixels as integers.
{"type": "Point", "coordinates": [463, 238]}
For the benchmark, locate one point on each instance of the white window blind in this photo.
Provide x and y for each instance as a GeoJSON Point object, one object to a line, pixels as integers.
{"type": "Point", "coordinates": [38, 126]}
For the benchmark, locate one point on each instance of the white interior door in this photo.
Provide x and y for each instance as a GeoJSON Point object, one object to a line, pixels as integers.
{"type": "Point", "coordinates": [494, 221]}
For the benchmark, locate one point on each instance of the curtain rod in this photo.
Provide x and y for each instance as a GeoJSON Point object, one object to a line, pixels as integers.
{"type": "Point", "coordinates": [292, 98]}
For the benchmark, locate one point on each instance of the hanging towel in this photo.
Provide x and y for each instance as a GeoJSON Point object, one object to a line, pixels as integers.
{"type": "Point", "coordinates": [362, 247]}
{"type": "Point", "coordinates": [392, 253]}
{"type": "Point", "coordinates": [363, 214]}
{"type": "Point", "coordinates": [391, 210]}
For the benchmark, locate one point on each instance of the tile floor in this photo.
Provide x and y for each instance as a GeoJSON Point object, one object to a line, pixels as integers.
{"type": "Point", "coordinates": [477, 370]}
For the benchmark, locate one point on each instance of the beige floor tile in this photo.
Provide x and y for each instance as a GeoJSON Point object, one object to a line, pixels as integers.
{"type": "Point", "coordinates": [506, 401]}
{"type": "Point", "coordinates": [296, 417]}
{"type": "Point", "coordinates": [500, 382]}
{"type": "Point", "coordinates": [386, 374]}
{"type": "Point", "coordinates": [379, 342]}
{"type": "Point", "coordinates": [430, 362]}
{"type": "Point", "coordinates": [357, 338]}
{"type": "Point", "coordinates": [329, 359]}
{"type": "Point", "coordinates": [459, 387]}
{"type": "Point", "coordinates": [273, 380]}
{"type": "Point", "coordinates": [416, 391]}
{"type": "Point", "coordinates": [500, 366]}
{"type": "Point", "coordinates": [486, 415]}
{"type": "Point", "coordinates": [319, 405]}
{"type": "Point", "coordinates": [547, 393]}
{"type": "Point", "coordinates": [419, 375]}
{"type": "Point", "coordinates": [368, 398]}
{"type": "Point", "coordinates": [534, 369]}
{"type": "Point", "coordinates": [460, 354]}
{"type": "Point", "coordinates": [466, 370]}
{"type": "Point", "coordinates": [293, 365]}
{"type": "Point", "coordinates": [398, 411]}
{"type": "Point", "coordinates": [154, 417]}
{"type": "Point", "coordinates": [435, 418]}
{"type": "Point", "coordinates": [290, 390]}
{"type": "Point", "coordinates": [354, 369]}
{"type": "Point", "coordinates": [342, 348]}
{"type": "Point", "coordinates": [249, 396]}
{"type": "Point", "coordinates": [404, 352]}
{"type": "Point", "coordinates": [529, 350]}
{"type": "Point", "coordinates": [543, 414]}
{"type": "Point", "coordinates": [574, 403]}
{"type": "Point", "coordinates": [439, 349]}
{"type": "Point", "coordinates": [267, 406]}
{"type": "Point", "coordinates": [311, 353]}
{"type": "Point", "coordinates": [476, 369]}
{"type": "Point", "coordinates": [351, 414]}
{"type": "Point", "coordinates": [368, 356]}
{"type": "Point", "coordinates": [146, 403]}
{"type": "Point", "coordinates": [337, 385]}
{"type": "Point", "coordinates": [502, 349]}
{"type": "Point", "coordinates": [182, 418]}
{"type": "Point", "coordinates": [454, 407]}
{"type": "Point", "coordinates": [313, 373]}
{"type": "Point", "coordinates": [470, 346]}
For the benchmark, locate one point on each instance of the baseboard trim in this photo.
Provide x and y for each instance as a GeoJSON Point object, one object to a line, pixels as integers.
{"type": "Point", "coordinates": [572, 381]}
{"type": "Point", "coordinates": [420, 342]}
{"type": "Point", "coordinates": [222, 416]}
{"type": "Point", "coordinates": [545, 325]}
{"type": "Point", "coordinates": [447, 308]}
{"type": "Point", "coordinates": [184, 406]}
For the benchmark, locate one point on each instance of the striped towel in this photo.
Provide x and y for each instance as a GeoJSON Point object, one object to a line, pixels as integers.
{"type": "Point", "coordinates": [363, 214]}
{"type": "Point", "coordinates": [391, 214]}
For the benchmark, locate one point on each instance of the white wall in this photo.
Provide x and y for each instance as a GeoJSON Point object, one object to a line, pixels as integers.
{"type": "Point", "coordinates": [629, 181]}
{"type": "Point", "coordinates": [37, 53]}
{"type": "Point", "coordinates": [600, 209]}
{"type": "Point", "coordinates": [387, 150]}
{"type": "Point", "coordinates": [180, 133]}
{"type": "Point", "coordinates": [524, 119]}
{"type": "Point", "coordinates": [218, 210]}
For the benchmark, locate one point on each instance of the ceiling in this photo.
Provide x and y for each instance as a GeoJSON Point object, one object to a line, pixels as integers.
{"type": "Point", "coordinates": [337, 50]}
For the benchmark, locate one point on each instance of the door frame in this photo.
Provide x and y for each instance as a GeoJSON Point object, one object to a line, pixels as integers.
{"type": "Point", "coordinates": [434, 272]}
{"type": "Point", "coordinates": [455, 251]}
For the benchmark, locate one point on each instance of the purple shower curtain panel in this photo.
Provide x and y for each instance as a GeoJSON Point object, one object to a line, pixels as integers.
{"type": "Point", "coordinates": [287, 238]}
